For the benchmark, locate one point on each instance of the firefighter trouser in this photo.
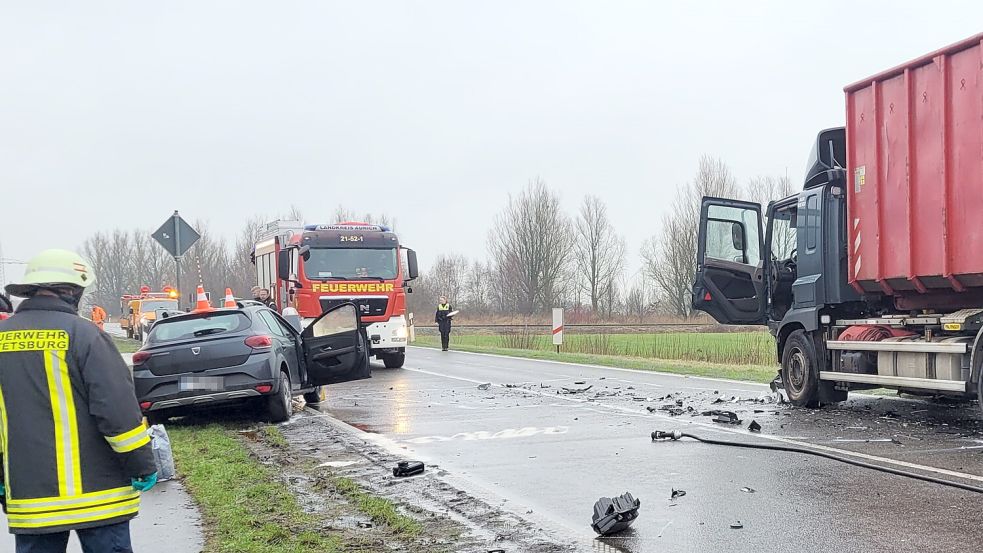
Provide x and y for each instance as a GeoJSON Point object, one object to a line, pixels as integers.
{"type": "Point", "coordinates": [114, 538]}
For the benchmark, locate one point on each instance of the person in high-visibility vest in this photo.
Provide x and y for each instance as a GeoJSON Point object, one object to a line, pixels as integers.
{"type": "Point", "coordinates": [443, 320]}
{"type": "Point", "coordinates": [75, 452]}
{"type": "Point", "coordinates": [99, 316]}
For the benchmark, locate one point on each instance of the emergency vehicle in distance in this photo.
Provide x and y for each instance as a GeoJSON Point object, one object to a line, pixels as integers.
{"type": "Point", "coordinates": [139, 311]}
{"type": "Point", "coordinates": [313, 268]}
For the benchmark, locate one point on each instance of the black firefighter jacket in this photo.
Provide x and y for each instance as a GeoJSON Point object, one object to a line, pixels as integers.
{"type": "Point", "coordinates": [71, 433]}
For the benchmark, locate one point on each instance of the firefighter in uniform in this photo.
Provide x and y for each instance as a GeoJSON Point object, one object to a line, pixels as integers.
{"type": "Point", "coordinates": [443, 321]}
{"type": "Point", "coordinates": [75, 452]}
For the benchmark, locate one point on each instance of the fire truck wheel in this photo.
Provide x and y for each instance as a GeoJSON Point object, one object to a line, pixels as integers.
{"type": "Point", "coordinates": [394, 360]}
{"type": "Point", "coordinates": [800, 371]}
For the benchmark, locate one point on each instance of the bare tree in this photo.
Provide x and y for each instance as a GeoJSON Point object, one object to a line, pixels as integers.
{"type": "Point", "coordinates": [477, 288]}
{"type": "Point", "coordinates": [242, 270]}
{"type": "Point", "coordinates": [530, 243]}
{"type": "Point", "coordinates": [599, 252]}
{"type": "Point", "coordinates": [447, 276]}
{"type": "Point", "coordinates": [669, 259]}
{"type": "Point", "coordinates": [765, 190]}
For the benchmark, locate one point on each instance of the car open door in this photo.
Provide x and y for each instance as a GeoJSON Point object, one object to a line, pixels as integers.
{"type": "Point", "coordinates": [729, 282]}
{"type": "Point", "coordinates": [334, 349]}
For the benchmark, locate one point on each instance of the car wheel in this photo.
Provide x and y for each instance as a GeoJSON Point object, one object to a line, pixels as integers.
{"type": "Point", "coordinates": [800, 371]}
{"type": "Point", "coordinates": [315, 396]}
{"type": "Point", "coordinates": [394, 360]}
{"type": "Point", "coordinates": [278, 404]}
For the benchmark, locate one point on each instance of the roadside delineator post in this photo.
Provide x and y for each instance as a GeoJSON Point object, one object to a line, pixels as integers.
{"type": "Point", "coordinates": [557, 327]}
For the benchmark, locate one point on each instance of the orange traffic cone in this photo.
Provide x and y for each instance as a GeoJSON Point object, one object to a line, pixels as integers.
{"type": "Point", "coordinates": [229, 300]}
{"type": "Point", "coordinates": [202, 304]}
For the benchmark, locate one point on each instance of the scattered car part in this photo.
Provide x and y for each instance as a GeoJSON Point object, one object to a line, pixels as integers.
{"type": "Point", "coordinates": [574, 390]}
{"type": "Point", "coordinates": [484, 386]}
{"type": "Point", "coordinates": [754, 426]}
{"type": "Point", "coordinates": [747, 489]}
{"type": "Point", "coordinates": [737, 525]}
{"type": "Point", "coordinates": [676, 435]}
{"type": "Point", "coordinates": [613, 515]}
{"type": "Point", "coordinates": [677, 493]}
{"type": "Point", "coordinates": [726, 417]}
{"type": "Point", "coordinates": [407, 468]}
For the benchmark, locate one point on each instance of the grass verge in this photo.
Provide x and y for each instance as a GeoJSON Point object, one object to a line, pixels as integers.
{"type": "Point", "coordinates": [247, 507]}
{"type": "Point", "coordinates": [379, 509]}
{"type": "Point", "coordinates": [126, 345]}
{"type": "Point", "coordinates": [749, 373]}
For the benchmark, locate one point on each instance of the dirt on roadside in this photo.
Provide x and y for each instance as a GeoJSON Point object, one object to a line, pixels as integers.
{"type": "Point", "coordinates": [316, 455]}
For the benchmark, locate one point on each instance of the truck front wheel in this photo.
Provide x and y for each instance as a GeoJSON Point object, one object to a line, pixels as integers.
{"type": "Point", "coordinates": [800, 370]}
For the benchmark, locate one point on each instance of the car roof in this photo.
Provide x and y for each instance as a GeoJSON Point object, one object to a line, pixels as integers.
{"type": "Point", "coordinates": [246, 310]}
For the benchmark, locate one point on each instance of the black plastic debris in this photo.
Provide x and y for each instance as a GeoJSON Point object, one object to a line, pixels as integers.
{"type": "Point", "coordinates": [677, 493]}
{"type": "Point", "coordinates": [736, 525]}
{"type": "Point", "coordinates": [724, 417]}
{"type": "Point", "coordinates": [565, 390]}
{"type": "Point", "coordinates": [754, 426]}
{"type": "Point", "coordinates": [746, 489]}
{"type": "Point", "coordinates": [484, 386]}
{"type": "Point", "coordinates": [407, 468]}
{"type": "Point", "coordinates": [613, 515]}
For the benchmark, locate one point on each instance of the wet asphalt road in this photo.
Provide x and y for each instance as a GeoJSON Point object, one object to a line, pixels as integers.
{"type": "Point", "coordinates": [550, 455]}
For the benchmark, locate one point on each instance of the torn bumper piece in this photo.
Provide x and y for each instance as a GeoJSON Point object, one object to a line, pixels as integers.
{"type": "Point", "coordinates": [613, 515]}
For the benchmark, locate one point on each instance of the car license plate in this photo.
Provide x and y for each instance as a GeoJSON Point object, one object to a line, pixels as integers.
{"type": "Point", "coordinates": [207, 383]}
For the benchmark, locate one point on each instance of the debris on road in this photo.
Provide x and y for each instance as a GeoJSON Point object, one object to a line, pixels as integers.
{"type": "Point", "coordinates": [484, 386]}
{"type": "Point", "coordinates": [754, 426]}
{"type": "Point", "coordinates": [580, 382]}
{"type": "Point", "coordinates": [407, 468]}
{"type": "Point", "coordinates": [677, 493]}
{"type": "Point", "coordinates": [613, 515]}
{"type": "Point", "coordinates": [565, 390]}
{"type": "Point", "coordinates": [746, 489]}
{"type": "Point", "coordinates": [736, 525]}
{"type": "Point", "coordinates": [725, 417]}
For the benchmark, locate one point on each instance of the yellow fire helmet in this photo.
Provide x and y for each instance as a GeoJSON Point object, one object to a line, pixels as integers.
{"type": "Point", "coordinates": [53, 267]}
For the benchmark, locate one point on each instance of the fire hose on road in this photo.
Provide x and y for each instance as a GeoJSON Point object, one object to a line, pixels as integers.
{"type": "Point", "coordinates": [674, 435]}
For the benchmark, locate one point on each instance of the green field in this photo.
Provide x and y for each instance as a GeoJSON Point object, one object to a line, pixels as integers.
{"type": "Point", "coordinates": [737, 348]}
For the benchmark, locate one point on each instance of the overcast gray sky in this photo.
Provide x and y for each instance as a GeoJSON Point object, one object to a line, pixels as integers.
{"type": "Point", "coordinates": [113, 114]}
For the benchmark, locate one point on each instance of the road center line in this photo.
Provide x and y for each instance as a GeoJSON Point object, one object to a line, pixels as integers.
{"type": "Point", "coordinates": [718, 428]}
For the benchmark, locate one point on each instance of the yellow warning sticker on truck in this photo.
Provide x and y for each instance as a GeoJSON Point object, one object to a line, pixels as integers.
{"type": "Point", "coordinates": [859, 176]}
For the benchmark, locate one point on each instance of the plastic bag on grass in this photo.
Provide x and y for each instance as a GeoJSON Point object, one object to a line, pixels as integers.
{"type": "Point", "coordinates": [161, 445]}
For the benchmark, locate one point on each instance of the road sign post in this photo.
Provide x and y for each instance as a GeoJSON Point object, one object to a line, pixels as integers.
{"type": "Point", "coordinates": [177, 237]}
{"type": "Point", "coordinates": [558, 327]}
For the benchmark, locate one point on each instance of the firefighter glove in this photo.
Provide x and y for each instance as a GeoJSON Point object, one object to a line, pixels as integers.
{"type": "Point", "coordinates": [144, 483]}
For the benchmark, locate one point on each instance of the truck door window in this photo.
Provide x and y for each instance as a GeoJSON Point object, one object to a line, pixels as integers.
{"type": "Point", "coordinates": [783, 233]}
{"type": "Point", "coordinates": [812, 221]}
{"type": "Point", "coordinates": [732, 234]}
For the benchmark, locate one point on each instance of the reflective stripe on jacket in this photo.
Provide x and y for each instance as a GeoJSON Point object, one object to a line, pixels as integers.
{"type": "Point", "coordinates": [71, 432]}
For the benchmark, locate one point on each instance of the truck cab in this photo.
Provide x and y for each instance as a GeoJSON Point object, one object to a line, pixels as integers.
{"type": "Point", "coordinates": [313, 268]}
{"type": "Point", "coordinates": [790, 271]}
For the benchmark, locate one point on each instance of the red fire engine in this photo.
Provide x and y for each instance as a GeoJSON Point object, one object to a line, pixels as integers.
{"type": "Point", "coordinates": [313, 268]}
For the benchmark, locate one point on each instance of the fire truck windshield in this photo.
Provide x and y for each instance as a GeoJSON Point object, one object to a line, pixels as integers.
{"type": "Point", "coordinates": [350, 263]}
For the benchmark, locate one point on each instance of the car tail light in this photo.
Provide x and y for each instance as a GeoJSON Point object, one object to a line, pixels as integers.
{"type": "Point", "coordinates": [140, 356]}
{"type": "Point", "coordinates": [259, 342]}
{"type": "Point", "coordinates": [144, 405]}
{"type": "Point", "coordinates": [264, 388]}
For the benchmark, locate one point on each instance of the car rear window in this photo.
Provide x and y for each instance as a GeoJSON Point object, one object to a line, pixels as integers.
{"type": "Point", "coordinates": [188, 328]}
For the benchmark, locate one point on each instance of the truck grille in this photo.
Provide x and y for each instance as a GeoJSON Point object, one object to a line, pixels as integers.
{"type": "Point", "coordinates": [367, 307]}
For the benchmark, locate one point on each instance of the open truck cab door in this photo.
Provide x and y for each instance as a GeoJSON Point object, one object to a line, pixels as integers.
{"type": "Point", "coordinates": [334, 347]}
{"type": "Point", "coordinates": [729, 282]}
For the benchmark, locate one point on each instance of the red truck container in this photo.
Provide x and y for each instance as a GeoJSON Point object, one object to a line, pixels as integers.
{"type": "Point", "coordinates": [915, 179]}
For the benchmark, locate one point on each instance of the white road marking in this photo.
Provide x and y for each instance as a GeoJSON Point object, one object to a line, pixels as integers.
{"type": "Point", "coordinates": [742, 432]}
{"type": "Point", "coordinates": [620, 369]}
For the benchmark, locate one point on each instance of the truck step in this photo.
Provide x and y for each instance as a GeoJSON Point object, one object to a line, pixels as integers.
{"type": "Point", "coordinates": [909, 347]}
{"type": "Point", "coordinates": [897, 381]}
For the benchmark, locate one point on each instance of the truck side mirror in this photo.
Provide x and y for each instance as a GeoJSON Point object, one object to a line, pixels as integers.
{"type": "Point", "coordinates": [283, 264]}
{"type": "Point", "coordinates": [5, 304]}
{"type": "Point", "coordinates": [411, 265]}
{"type": "Point", "coordinates": [305, 252]}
